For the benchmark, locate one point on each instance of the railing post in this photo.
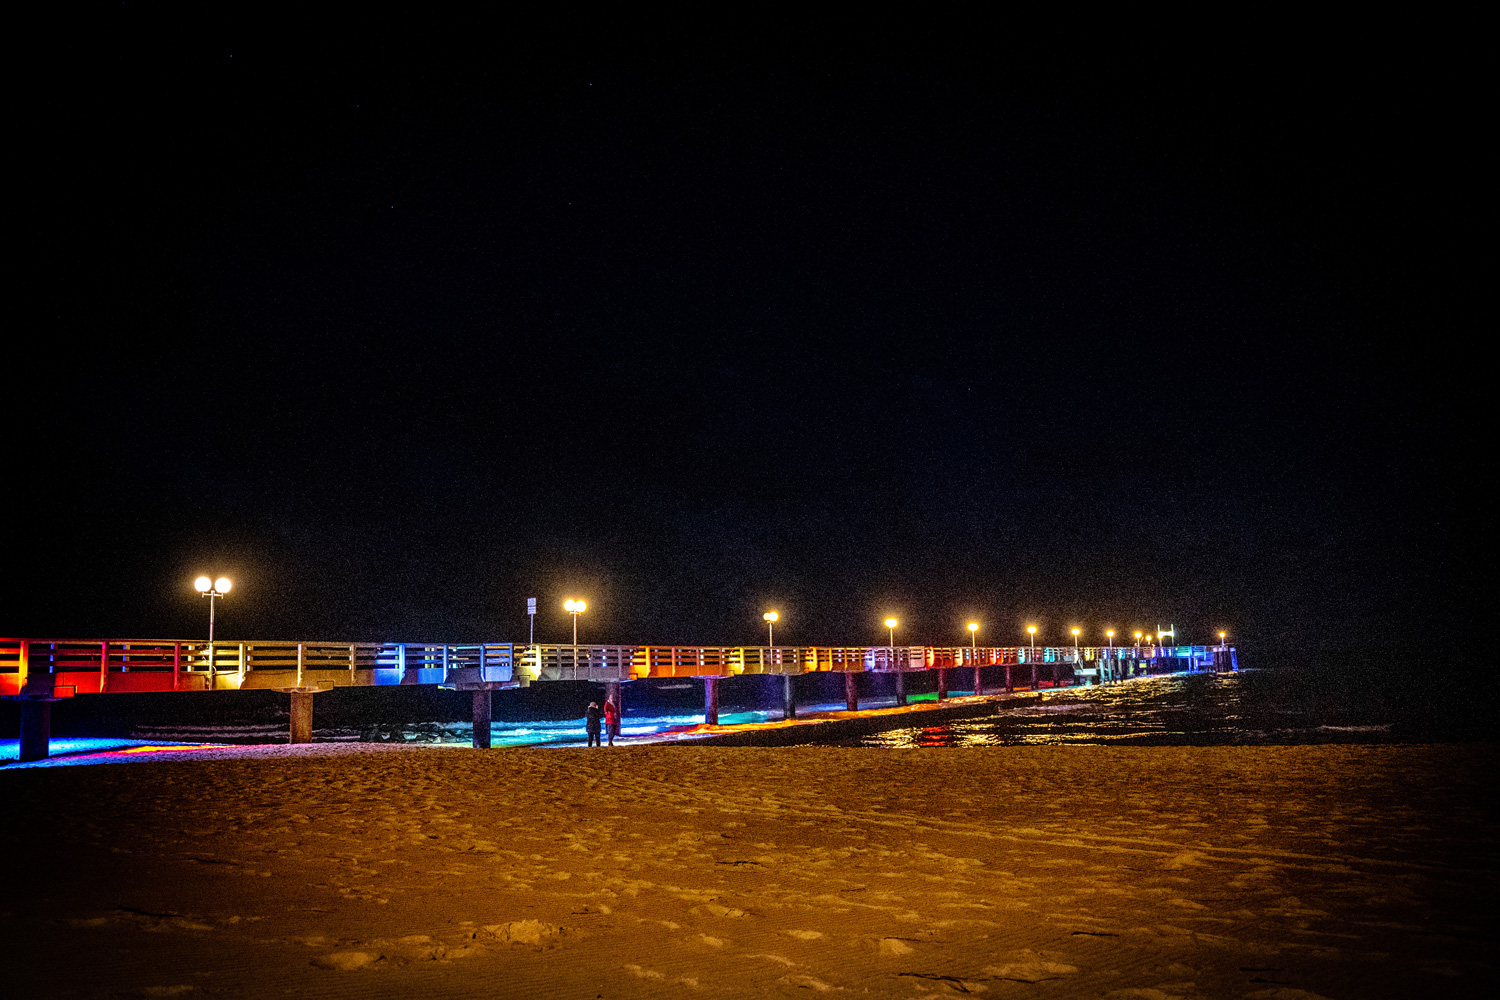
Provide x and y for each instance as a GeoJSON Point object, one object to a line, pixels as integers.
{"type": "Point", "coordinates": [176, 666]}
{"type": "Point", "coordinates": [301, 664]}
{"type": "Point", "coordinates": [244, 663]}
{"type": "Point", "coordinates": [103, 665]}
{"type": "Point", "coordinates": [352, 662]}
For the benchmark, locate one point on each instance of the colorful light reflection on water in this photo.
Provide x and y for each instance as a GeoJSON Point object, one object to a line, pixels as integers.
{"type": "Point", "coordinates": [1249, 708]}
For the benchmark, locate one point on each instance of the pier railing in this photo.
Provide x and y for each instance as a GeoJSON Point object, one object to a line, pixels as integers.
{"type": "Point", "coordinates": [88, 666]}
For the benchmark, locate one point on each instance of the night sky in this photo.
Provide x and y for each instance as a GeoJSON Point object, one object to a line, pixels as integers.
{"type": "Point", "coordinates": [692, 329]}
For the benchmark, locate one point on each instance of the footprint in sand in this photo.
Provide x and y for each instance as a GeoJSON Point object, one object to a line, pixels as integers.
{"type": "Point", "coordinates": [347, 961]}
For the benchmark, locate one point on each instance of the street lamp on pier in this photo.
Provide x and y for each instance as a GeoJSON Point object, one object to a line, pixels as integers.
{"type": "Point", "coordinates": [1221, 639]}
{"type": "Point", "coordinates": [974, 638]}
{"type": "Point", "coordinates": [1031, 631]}
{"type": "Point", "coordinates": [575, 608]}
{"type": "Point", "coordinates": [213, 590]}
{"type": "Point", "coordinates": [771, 618]}
{"type": "Point", "coordinates": [1075, 643]}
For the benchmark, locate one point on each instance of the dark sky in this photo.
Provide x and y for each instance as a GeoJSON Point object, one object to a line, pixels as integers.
{"type": "Point", "coordinates": [696, 328]}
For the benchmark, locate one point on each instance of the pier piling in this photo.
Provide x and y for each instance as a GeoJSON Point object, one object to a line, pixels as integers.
{"type": "Point", "coordinates": [851, 692]}
{"type": "Point", "coordinates": [711, 701]}
{"type": "Point", "coordinates": [301, 725]}
{"type": "Point", "coordinates": [978, 679]}
{"type": "Point", "coordinates": [942, 692]}
{"type": "Point", "coordinates": [482, 715]}
{"type": "Point", "coordinates": [788, 698]}
{"type": "Point", "coordinates": [901, 684]}
{"type": "Point", "coordinates": [36, 729]}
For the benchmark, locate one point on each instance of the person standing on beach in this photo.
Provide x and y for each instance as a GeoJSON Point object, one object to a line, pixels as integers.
{"type": "Point", "coordinates": [591, 723]}
{"type": "Point", "coordinates": [611, 721]}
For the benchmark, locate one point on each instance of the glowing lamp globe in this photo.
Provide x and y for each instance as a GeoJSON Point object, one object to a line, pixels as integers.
{"type": "Point", "coordinates": [891, 623]}
{"type": "Point", "coordinates": [973, 626]}
{"type": "Point", "coordinates": [222, 584]}
{"type": "Point", "coordinates": [771, 616]}
{"type": "Point", "coordinates": [202, 584]}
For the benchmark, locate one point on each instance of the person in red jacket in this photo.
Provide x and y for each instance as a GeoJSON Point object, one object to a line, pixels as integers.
{"type": "Point", "coordinates": [611, 721]}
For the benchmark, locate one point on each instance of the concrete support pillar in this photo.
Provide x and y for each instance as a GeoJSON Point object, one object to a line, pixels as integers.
{"type": "Point", "coordinates": [901, 683]}
{"type": "Point", "coordinates": [482, 715]}
{"type": "Point", "coordinates": [36, 729]}
{"type": "Point", "coordinates": [1036, 683]}
{"type": "Point", "coordinates": [978, 679]}
{"type": "Point", "coordinates": [711, 701]}
{"type": "Point", "coordinates": [301, 728]}
{"type": "Point", "coordinates": [1009, 683]}
{"type": "Point", "coordinates": [788, 698]}
{"type": "Point", "coordinates": [942, 683]}
{"type": "Point", "coordinates": [851, 691]}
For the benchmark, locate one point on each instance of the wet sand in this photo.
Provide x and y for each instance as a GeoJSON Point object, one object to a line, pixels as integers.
{"type": "Point", "coordinates": [677, 871]}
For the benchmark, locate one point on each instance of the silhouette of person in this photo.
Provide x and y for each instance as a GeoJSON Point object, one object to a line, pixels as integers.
{"type": "Point", "coordinates": [591, 723]}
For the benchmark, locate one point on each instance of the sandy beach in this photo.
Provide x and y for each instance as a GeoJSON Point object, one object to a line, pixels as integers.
{"type": "Point", "coordinates": [674, 871]}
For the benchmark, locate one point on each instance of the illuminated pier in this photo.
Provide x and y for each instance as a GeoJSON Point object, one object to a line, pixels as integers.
{"type": "Point", "coordinates": [38, 672]}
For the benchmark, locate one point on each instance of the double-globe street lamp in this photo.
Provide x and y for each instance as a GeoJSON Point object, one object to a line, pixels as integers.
{"type": "Point", "coordinates": [771, 618]}
{"type": "Point", "coordinates": [213, 590]}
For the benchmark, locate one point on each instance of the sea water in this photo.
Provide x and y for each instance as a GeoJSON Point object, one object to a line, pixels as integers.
{"type": "Point", "coordinates": [1246, 708]}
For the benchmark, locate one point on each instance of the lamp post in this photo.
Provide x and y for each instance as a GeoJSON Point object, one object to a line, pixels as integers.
{"type": "Point", "coordinates": [891, 624]}
{"type": "Point", "coordinates": [1221, 639]}
{"type": "Point", "coordinates": [1031, 658]}
{"type": "Point", "coordinates": [1137, 638]}
{"type": "Point", "coordinates": [974, 638]}
{"type": "Point", "coordinates": [771, 618]}
{"type": "Point", "coordinates": [213, 590]}
{"type": "Point", "coordinates": [575, 608]}
{"type": "Point", "coordinates": [1111, 634]}
{"type": "Point", "coordinates": [1075, 643]}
